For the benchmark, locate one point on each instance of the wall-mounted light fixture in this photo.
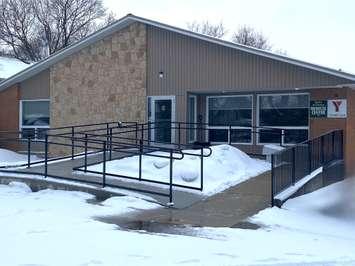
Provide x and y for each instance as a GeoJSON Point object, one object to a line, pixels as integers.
{"type": "Point", "coordinates": [161, 74]}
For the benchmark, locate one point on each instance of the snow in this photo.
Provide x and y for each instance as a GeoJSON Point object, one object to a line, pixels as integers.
{"type": "Point", "coordinates": [271, 148]}
{"type": "Point", "coordinates": [61, 181]}
{"type": "Point", "coordinates": [57, 228]}
{"type": "Point", "coordinates": [284, 195]}
{"type": "Point", "coordinates": [10, 66]}
{"type": "Point", "coordinates": [10, 158]}
{"type": "Point", "coordinates": [227, 166]}
{"type": "Point", "coordinates": [329, 212]}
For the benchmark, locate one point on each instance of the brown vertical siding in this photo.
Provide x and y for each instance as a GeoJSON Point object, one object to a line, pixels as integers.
{"type": "Point", "coordinates": [36, 87]}
{"type": "Point", "coordinates": [9, 109]}
{"type": "Point", "coordinates": [197, 66]}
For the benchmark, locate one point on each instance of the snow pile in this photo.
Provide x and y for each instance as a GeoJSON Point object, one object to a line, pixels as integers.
{"type": "Point", "coordinates": [329, 211]}
{"type": "Point", "coordinates": [227, 166]}
{"type": "Point", "coordinates": [10, 158]}
{"type": "Point", "coordinates": [10, 66]}
{"type": "Point", "coordinates": [315, 229]}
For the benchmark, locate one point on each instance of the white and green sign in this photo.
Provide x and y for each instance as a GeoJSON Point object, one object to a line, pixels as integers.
{"type": "Point", "coordinates": [318, 108]}
{"type": "Point", "coordinates": [330, 109]}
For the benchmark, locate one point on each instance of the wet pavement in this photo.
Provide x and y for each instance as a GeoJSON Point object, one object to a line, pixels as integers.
{"type": "Point", "coordinates": [230, 208]}
{"type": "Point", "coordinates": [165, 228]}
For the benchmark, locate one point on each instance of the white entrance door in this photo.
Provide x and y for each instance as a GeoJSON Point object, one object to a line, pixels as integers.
{"type": "Point", "coordinates": [162, 114]}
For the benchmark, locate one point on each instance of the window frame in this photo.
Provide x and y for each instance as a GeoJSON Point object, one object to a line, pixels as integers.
{"type": "Point", "coordinates": [32, 127]}
{"type": "Point", "coordinates": [258, 127]}
{"type": "Point", "coordinates": [195, 118]}
{"type": "Point", "coordinates": [232, 127]}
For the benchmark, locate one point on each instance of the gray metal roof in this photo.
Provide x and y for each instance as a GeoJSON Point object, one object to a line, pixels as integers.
{"type": "Point", "coordinates": [129, 19]}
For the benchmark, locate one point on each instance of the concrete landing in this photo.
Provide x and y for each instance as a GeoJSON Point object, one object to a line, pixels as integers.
{"type": "Point", "coordinates": [226, 209]}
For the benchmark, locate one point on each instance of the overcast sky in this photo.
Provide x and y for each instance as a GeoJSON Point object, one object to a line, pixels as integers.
{"type": "Point", "coordinates": [317, 31]}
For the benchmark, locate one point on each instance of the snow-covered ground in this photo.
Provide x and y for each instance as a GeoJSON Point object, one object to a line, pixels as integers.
{"type": "Point", "coordinates": [10, 158]}
{"type": "Point", "coordinates": [227, 166]}
{"type": "Point", "coordinates": [10, 66]}
{"type": "Point", "coordinates": [56, 228]}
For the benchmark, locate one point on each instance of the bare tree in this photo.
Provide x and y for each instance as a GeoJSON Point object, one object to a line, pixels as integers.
{"type": "Point", "coordinates": [34, 29]}
{"type": "Point", "coordinates": [247, 35]}
{"type": "Point", "coordinates": [207, 28]}
{"type": "Point", "coordinates": [281, 52]}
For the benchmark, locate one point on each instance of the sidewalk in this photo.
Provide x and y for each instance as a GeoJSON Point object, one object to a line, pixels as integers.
{"type": "Point", "coordinates": [225, 209]}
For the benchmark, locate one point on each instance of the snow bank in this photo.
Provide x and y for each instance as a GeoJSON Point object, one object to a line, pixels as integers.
{"type": "Point", "coordinates": [329, 211]}
{"type": "Point", "coordinates": [19, 187]}
{"type": "Point", "coordinates": [10, 66]}
{"type": "Point", "coordinates": [314, 229]}
{"type": "Point", "coordinates": [10, 158]}
{"type": "Point", "coordinates": [227, 166]}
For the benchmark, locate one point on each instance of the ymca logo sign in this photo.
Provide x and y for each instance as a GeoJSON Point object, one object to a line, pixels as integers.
{"type": "Point", "coordinates": [337, 108]}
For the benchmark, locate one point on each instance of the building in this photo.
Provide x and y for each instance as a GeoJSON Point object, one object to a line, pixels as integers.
{"type": "Point", "coordinates": [138, 69]}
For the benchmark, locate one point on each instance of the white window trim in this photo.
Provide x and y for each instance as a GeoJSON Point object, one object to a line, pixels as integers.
{"type": "Point", "coordinates": [277, 127]}
{"type": "Point", "coordinates": [31, 127]}
{"type": "Point", "coordinates": [195, 118]}
{"type": "Point", "coordinates": [233, 127]}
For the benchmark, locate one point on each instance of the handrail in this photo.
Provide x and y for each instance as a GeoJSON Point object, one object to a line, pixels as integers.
{"type": "Point", "coordinates": [115, 137]}
{"type": "Point", "coordinates": [306, 141]}
{"type": "Point", "coordinates": [291, 164]}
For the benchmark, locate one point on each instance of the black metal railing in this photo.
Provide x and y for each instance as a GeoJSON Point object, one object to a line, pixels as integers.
{"type": "Point", "coordinates": [292, 164]}
{"type": "Point", "coordinates": [109, 140]}
{"type": "Point", "coordinates": [112, 139]}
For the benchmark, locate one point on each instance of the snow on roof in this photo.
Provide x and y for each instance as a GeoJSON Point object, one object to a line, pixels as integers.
{"type": "Point", "coordinates": [10, 66]}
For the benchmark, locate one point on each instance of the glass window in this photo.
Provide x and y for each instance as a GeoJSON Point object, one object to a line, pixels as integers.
{"type": "Point", "coordinates": [269, 136]}
{"type": "Point", "coordinates": [294, 136]}
{"type": "Point", "coordinates": [235, 111]}
{"type": "Point", "coordinates": [240, 136]}
{"type": "Point", "coordinates": [230, 110]}
{"type": "Point", "coordinates": [218, 135]}
{"type": "Point", "coordinates": [285, 111]}
{"type": "Point", "coordinates": [35, 118]}
{"type": "Point", "coordinates": [35, 113]}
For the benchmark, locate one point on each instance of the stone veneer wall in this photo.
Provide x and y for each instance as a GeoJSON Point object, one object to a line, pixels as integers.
{"type": "Point", "coordinates": [103, 82]}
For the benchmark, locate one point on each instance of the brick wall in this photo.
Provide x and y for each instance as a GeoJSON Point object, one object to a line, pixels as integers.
{"type": "Point", "coordinates": [319, 126]}
{"type": "Point", "coordinates": [9, 115]}
{"type": "Point", "coordinates": [9, 109]}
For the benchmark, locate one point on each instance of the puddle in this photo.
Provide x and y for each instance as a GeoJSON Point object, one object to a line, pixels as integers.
{"type": "Point", "coordinates": [246, 225]}
{"type": "Point", "coordinates": [152, 226]}
{"type": "Point", "coordinates": [126, 223]}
